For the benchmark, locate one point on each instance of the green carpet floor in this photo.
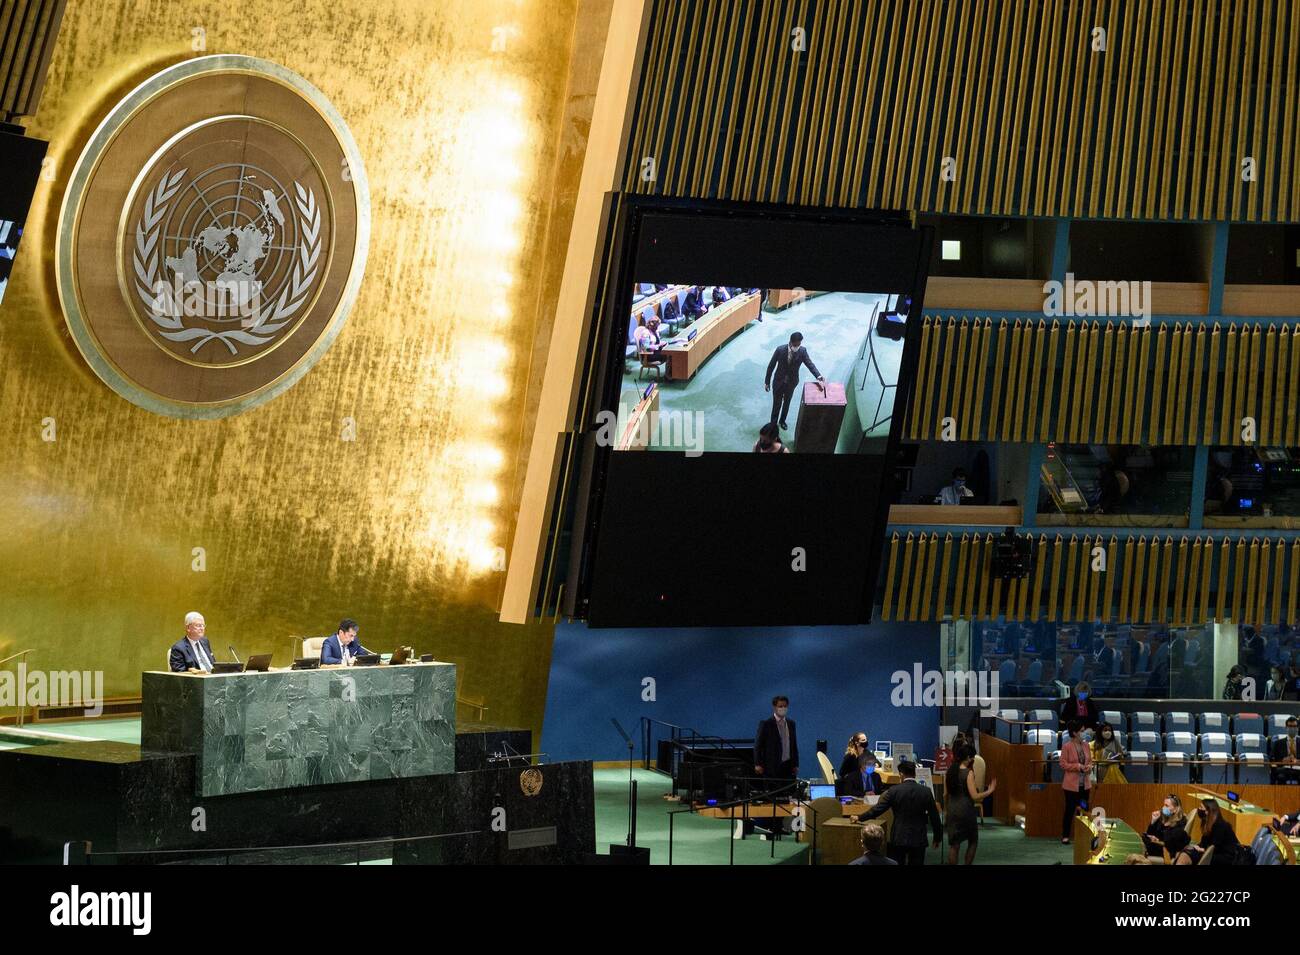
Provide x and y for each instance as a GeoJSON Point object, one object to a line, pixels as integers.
{"type": "Point", "coordinates": [728, 388]}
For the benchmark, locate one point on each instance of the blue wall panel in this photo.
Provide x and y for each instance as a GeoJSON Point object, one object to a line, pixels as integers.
{"type": "Point", "coordinates": [721, 681]}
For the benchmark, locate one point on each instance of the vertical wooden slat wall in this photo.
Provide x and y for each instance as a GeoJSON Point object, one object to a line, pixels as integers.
{"type": "Point", "coordinates": [999, 381]}
{"type": "Point", "coordinates": [858, 103]}
{"type": "Point", "coordinates": [1179, 579]}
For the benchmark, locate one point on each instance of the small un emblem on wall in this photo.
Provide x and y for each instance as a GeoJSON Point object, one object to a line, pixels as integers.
{"type": "Point", "coordinates": [530, 781]}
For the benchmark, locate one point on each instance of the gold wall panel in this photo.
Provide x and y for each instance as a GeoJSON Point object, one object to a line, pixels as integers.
{"type": "Point", "coordinates": [1010, 90]}
{"type": "Point", "coordinates": [472, 126]}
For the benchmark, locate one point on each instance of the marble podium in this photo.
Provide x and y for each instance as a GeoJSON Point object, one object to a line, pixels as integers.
{"type": "Point", "coordinates": [251, 732]}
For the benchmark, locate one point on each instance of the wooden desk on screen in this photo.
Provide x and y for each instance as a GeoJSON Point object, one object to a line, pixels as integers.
{"type": "Point", "coordinates": [711, 333]}
{"type": "Point", "coordinates": [640, 423]}
{"type": "Point", "coordinates": [778, 298]}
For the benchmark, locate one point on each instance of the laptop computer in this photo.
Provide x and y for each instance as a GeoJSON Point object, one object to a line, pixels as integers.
{"type": "Point", "coordinates": [259, 662]}
{"type": "Point", "coordinates": [227, 668]}
{"type": "Point", "coordinates": [366, 660]}
{"type": "Point", "coordinates": [399, 656]}
{"type": "Point", "coordinates": [306, 663]}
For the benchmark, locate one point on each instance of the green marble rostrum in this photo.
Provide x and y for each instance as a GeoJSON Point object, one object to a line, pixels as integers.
{"type": "Point", "coordinates": [285, 728]}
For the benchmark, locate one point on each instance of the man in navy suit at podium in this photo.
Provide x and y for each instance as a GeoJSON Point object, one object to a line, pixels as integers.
{"type": "Point", "coordinates": [343, 646]}
{"type": "Point", "coordinates": [192, 652]}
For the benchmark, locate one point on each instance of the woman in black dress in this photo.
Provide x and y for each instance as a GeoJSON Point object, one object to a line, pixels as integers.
{"type": "Point", "coordinates": [961, 794]}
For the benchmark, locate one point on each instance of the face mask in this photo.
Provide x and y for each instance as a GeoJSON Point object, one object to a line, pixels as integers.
{"type": "Point", "coordinates": [959, 483]}
{"type": "Point", "coordinates": [1166, 811]}
{"type": "Point", "coordinates": [781, 711]}
{"type": "Point", "coordinates": [1291, 732]}
{"type": "Point", "coordinates": [1108, 735]}
{"type": "Point", "coordinates": [869, 769]}
{"type": "Point", "coordinates": [1083, 696]}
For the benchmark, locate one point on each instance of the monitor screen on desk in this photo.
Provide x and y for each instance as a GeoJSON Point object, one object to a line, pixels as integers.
{"type": "Point", "coordinates": [765, 338]}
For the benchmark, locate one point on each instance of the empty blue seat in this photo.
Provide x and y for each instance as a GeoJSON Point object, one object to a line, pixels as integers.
{"type": "Point", "coordinates": [1142, 722]}
{"type": "Point", "coordinates": [1215, 743]}
{"type": "Point", "coordinates": [1004, 725]}
{"type": "Point", "coordinates": [1007, 672]}
{"type": "Point", "coordinates": [1179, 742]}
{"type": "Point", "coordinates": [1248, 722]}
{"type": "Point", "coordinates": [1175, 767]}
{"type": "Point", "coordinates": [1046, 719]}
{"type": "Point", "coordinates": [1252, 769]}
{"type": "Point", "coordinates": [1213, 723]}
{"type": "Point", "coordinates": [1140, 767]}
{"type": "Point", "coordinates": [1076, 670]}
{"type": "Point", "coordinates": [1251, 743]}
{"type": "Point", "coordinates": [1178, 722]}
{"type": "Point", "coordinates": [1035, 672]}
{"type": "Point", "coordinates": [1144, 739]}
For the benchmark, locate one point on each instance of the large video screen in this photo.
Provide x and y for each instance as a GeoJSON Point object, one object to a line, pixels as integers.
{"type": "Point", "coordinates": [755, 368]}
{"type": "Point", "coordinates": [716, 367]}
{"type": "Point", "coordinates": [20, 161]}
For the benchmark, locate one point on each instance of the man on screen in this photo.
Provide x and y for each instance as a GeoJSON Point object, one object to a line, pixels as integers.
{"type": "Point", "coordinates": [343, 646]}
{"type": "Point", "coordinates": [782, 376]}
{"type": "Point", "coordinates": [192, 653]}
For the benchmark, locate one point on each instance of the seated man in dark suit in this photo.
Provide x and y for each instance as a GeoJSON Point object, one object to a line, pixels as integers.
{"type": "Point", "coordinates": [776, 747]}
{"type": "Point", "coordinates": [343, 647]}
{"type": "Point", "coordinates": [192, 653]}
{"type": "Point", "coordinates": [873, 846]}
{"type": "Point", "coordinates": [1286, 751]}
{"type": "Point", "coordinates": [913, 806]}
{"type": "Point", "coordinates": [864, 780]}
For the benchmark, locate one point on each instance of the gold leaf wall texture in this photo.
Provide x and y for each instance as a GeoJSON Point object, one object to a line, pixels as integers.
{"type": "Point", "coordinates": [472, 128]}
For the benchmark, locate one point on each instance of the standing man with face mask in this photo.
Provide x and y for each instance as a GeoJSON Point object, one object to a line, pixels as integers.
{"type": "Point", "coordinates": [776, 747]}
{"type": "Point", "coordinates": [782, 376]}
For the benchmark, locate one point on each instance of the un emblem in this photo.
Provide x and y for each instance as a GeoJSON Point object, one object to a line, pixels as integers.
{"type": "Point", "coordinates": [530, 782]}
{"type": "Point", "coordinates": [213, 237]}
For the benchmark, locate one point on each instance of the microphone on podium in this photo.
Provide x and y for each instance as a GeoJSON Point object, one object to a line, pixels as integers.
{"type": "Point", "coordinates": [233, 653]}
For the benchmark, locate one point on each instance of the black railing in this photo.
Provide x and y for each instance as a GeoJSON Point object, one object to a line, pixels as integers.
{"type": "Point", "coordinates": [778, 796]}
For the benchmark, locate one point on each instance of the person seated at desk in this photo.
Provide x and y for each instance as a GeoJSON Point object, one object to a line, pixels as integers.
{"type": "Point", "coordinates": [957, 491]}
{"type": "Point", "coordinates": [343, 646]}
{"type": "Point", "coordinates": [192, 653]}
{"type": "Point", "coordinates": [853, 751]}
{"type": "Point", "coordinates": [873, 847]}
{"type": "Point", "coordinates": [693, 305]}
{"type": "Point", "coordinates": [649, 345]}
{"type": "Point", "coordinates": [1180, 853]}
{"type": "Point", "coordinates": [720, 295]}
{"type": "Point", "coordinates": [1287, 752]}
{"type": "Point", "coordinates": [1216, 833]}
{"type": "Point", "coordinates": [863, 780]}
{"type": "Point", "coordinates": [1288, 825]}
{"type": "Point", "coordinates": [1164, 822]}
{"type": "Point", "coordinates": [769, 440]}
